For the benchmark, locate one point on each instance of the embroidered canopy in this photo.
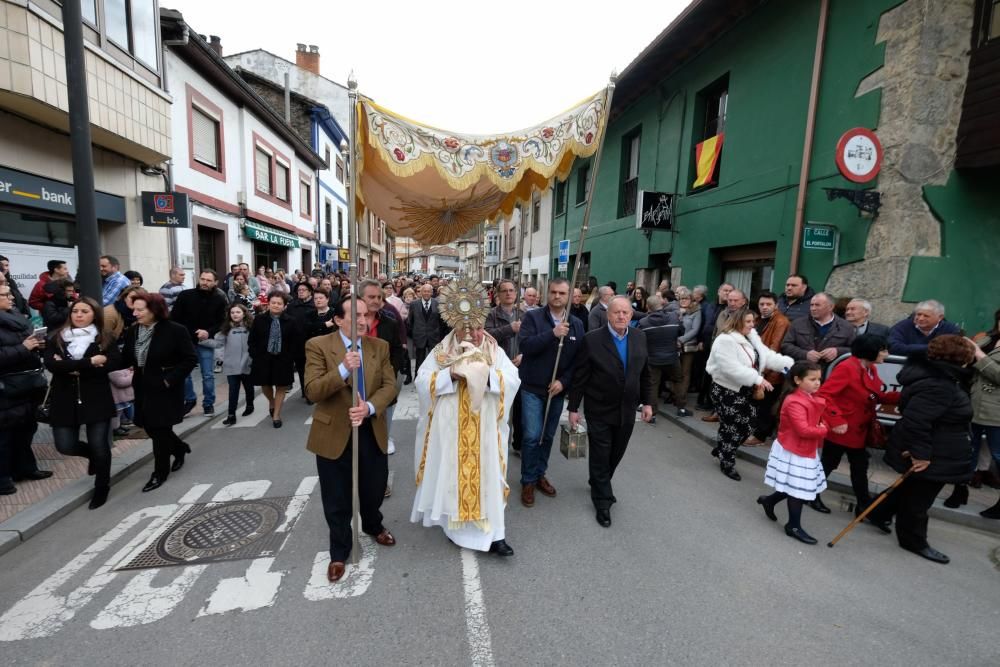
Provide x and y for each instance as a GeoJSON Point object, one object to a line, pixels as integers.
{"type": "Point", "coordinates": [434, 185]}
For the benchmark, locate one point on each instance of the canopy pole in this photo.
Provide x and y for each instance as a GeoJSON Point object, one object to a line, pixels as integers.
{"type": "Point", "coordinates": [583, 233]}
{"type": "Point", "coordinates": [352, 224]}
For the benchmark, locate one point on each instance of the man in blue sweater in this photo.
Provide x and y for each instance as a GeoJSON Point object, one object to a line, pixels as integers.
{"type": "Point", "coordinates": [913, 333]}
{"type": "Point", "coordinates": [538, 342]}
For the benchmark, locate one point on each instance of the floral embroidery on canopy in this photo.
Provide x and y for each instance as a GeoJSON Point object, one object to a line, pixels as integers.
{"type": "Point", "coordinates": [434, 185]}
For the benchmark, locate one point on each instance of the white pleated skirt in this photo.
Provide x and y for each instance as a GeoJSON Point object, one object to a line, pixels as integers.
{"type": "Point", "coordinates": [798, 476]}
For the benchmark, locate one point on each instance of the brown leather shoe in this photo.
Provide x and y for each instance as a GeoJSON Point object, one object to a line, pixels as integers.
{"type": "Point", "coordinates": [385, 538]}
{"type": "Point", "coordinates": [528, 495]}
{"type": "Point", "coordinates": [335, 571]}
{"type": "Point", "coordinates": [714, 417]}
{"type": "Point", "coordinates": [753, 441]}
{"type": "Point", "coordinates": [546, 488]}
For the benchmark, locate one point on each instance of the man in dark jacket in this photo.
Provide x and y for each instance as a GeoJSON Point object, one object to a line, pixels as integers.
{"type": "Point", "coordinates": [858, 313]}
{"type": "Point", "coordinates": [611, 374]}
{"type": "Point", "coordinates": [503, 323]}
{"type": "Point", "coordinates": [794, 303]}
{"type": "Point", "coordinates": [709, 316]}
{"type": "Point", "coordinates": [579, 310]}
{"type": "Point", "coordinates": [60, 297]}
{"type": "Point", "coordinates": [662, 328]}
{"type": "Point", "coordinates": [538, 341]}
{"type": "Point", "coordinates": [425, 324]}
{"type": "Point", "coordinates": [202, 310]}
{"type": "Point", "coordinates": [299, 309]}
{"type": "Point", "coordinates": [914, 333]}
{"type": "Point", "coordinates": [821, 337]}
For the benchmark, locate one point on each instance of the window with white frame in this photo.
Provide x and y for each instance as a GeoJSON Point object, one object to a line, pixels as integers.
{"type": "Point", "coordinates": [281, 181]}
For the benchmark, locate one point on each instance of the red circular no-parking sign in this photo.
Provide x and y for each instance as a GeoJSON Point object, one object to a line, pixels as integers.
{"type": "Point", "coordinates": [859, 155]}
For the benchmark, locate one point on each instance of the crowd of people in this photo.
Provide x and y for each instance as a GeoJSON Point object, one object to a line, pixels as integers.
{"type": "Point", "coordinates": [796, 370]}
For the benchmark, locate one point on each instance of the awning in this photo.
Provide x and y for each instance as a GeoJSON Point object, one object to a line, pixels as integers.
{"type": "Point", "coordinates": [272, 235]}
{"type": "Point", "coordinates": [434, 185]}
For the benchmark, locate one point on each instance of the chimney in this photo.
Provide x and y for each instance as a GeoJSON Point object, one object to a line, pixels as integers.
{"type": "Point", "coordinates": [216, 44]}
{"type": "Point", "coordinates": [307, 57]}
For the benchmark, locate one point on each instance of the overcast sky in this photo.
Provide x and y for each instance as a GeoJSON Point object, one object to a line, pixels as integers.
{"type": "Point", "coordinates": [471, 66]}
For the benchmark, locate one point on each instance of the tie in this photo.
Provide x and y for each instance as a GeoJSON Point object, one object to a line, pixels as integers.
{"type": "Point", "coordinates": [361, 374]}
{"type": "Point", "coordinates": [427, 307]}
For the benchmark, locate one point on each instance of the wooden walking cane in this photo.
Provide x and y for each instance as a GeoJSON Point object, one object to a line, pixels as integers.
{"type": "Point", "coordinates": [583, 237]}
{"type": "Point", "coordinates": [861, 517]}
{"type": "Point", "coordinates": [354, 226]}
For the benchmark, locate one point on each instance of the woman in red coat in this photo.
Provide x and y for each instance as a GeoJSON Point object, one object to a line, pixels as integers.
{"type": "Point", "coordinates": [851, 392]}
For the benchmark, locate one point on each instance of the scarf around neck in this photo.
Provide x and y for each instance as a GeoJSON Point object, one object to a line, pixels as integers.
{"type": "Point", "coordinates": [78, 340]}
{"type": "Point", "coordinates": [274, 336]}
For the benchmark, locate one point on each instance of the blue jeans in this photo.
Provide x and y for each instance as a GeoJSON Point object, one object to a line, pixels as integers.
{"type": "Point", "coordinates": [536, 447]}
{"type": "Point", "coordinates": [206, 360]}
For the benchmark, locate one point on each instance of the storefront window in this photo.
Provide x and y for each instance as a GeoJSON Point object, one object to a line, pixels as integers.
{"type": "Point", "coordinates": [38, 229]}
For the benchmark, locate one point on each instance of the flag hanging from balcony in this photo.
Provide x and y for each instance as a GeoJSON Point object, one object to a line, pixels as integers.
{"type": "Point", "coordinates": [706, 157]}
{"type": "Point", "coordinates": [433, 185]}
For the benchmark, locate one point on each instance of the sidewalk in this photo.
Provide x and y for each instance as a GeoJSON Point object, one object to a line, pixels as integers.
{"type": "Point", "coordinates": [38, 504]}
{"type": "Point", "coordinates": [840, 496]}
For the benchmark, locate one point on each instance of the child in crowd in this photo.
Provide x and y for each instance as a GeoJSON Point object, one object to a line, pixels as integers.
{"type": "Point", "coordinates": [793, 467]}
{"type": "Point", "coordinates": [123, 396]}
{"type": "Point", "coordinates": [233, 339]}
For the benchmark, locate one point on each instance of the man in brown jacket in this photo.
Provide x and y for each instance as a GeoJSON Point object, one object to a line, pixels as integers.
{"type": "Point", "coordinates": [772, 325]}
{"type": "Point", "coordinates": [339, 406]}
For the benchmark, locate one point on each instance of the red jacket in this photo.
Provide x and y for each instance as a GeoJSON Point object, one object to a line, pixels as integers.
{"type": "Point", "coordinates": [801, 429]}
{"type": "Point", "coordinates": [38, 295]}
{"type": "Point", "coordinates": [852, 392]}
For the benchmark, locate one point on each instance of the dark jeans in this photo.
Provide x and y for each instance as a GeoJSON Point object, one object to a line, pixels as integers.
{"type": "Point", "coordinates": [97, 449]}
{"type": "Point", "coordinates": [766, 419]}
{"type": "Point", "coordinates": [165, 443]}
{"type": "Point", "coordinates": [607, 444]}
{"type": "Point", "coordinates": [858, 458]}
{"type": "Point", "coordinates": [235, 382]}
{"type": "Point", "coordinates": [16, 457]}
{"type": "Point", "coordinates": [909, 503]}
{"type": "Point", "coordinates": [535, 445]}
{"type": "Point", "coordinates": [422, 353]}
{"type": "Point", "coordinates": [335, 485]}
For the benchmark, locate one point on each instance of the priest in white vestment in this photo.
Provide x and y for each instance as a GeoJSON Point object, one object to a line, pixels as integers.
{"type": "Point", "coordinates": [466, 387]}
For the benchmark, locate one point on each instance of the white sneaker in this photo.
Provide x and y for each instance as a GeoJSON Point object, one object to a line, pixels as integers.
{"type": "Point", "coordinates": [391, 449]}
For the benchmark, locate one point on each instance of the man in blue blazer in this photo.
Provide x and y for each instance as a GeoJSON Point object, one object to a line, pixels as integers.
{"type": "Point", "coordinates": [612, 374]}
{"type": "Point", "coordinates": [538, 341]}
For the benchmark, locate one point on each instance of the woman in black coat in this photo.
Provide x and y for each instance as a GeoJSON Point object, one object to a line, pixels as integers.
{"type": "Point", "coordinates": [18, 353]}
{"type": "Point", "coordinates": [932, 438]}
{"type": "Point", "coordinates": [79, 355]}
{"type": "Point", "coordinates": [273, 339]}
{"type": "Point", "coordinates": [162, 356]}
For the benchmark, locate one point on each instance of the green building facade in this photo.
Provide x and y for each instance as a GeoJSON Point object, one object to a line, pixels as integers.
{"type": "Point", "coordinates": [745, 69]}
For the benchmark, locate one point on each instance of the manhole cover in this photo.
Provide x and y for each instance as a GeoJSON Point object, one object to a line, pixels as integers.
{"type": "Point", "coordinates": [212, 532]}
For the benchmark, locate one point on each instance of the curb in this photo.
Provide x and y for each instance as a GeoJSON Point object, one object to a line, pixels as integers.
{"type": "Point", "coordinates": [838, 482]}
{"type": "Point", "coordinates": [31, 521]}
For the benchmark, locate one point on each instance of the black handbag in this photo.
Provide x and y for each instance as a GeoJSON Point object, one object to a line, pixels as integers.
{"type": "Point", "coordinates": [24, 384]}
{"type": "Point", "coordinates": [43, 413]}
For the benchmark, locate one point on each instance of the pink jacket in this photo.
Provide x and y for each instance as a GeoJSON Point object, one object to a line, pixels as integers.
{"type": "Point", "coordinates": [801, 429]}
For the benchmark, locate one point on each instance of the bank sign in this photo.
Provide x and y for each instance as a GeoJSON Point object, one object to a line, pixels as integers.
{"type": "Point", "coordinates": [23, 189]}
{"type": "Point", "coordinates": [166, 209]}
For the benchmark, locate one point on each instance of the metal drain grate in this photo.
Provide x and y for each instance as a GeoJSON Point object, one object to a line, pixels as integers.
{"type": "Point", "coordinates": [214, 532]}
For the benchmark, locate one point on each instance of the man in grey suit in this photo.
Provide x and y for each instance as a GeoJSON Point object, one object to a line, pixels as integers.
{"type": "Point", "coordinates": [424, 323]}
{"type": "Point", "coordinates": [599, 313]}
{"type": "Point", "coordinates": [858, 313]}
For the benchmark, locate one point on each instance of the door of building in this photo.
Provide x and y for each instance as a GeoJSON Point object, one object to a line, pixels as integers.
{"type": "Point", "coordinates": [749, 269]}
{"type": "Point", "coordinates": [211, 250]}
{"type": "Point", "coordinates": [307, 261]}
{"type": "Point", "coordinates": [269, 255]}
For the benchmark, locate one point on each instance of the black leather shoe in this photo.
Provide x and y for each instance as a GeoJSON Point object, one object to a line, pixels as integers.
{"type": "Point", "coordinates": [959, 496]}
{"type": "Point", "coordinates": [715, 452]}
{"type": "Point", "coordinates": [8, 490]}
{"type": "Point", "coordinates": [276, 423]}
{"type": "Point", "coordinates": [930, 554]}
{"type": "Point", "coordinates": [35, 475]}
{"type": "Point", "coordinates": [229, 421]}
{"type": "Point", "coordinates": [800, 535]}
{"type": "Point", "coordinates": [248, 410]}
{"type": "Point", "coordinates": [819, 506]}
{"type": "Point", "coordinates": [501, 548]}
{"type": "Point", "coordinates": [189, 406]}
{"type": "Point", "coordinates": [179, 458]}
{"type": "Point", "coordinates": [153, 483]}
{"type": "Point", "coordinates": [768, 507]}
{"type": "Point", "coordinates": [604, 518]}
{"type": "Point", "coordinates": [991, 512]}
{"type": "Point", "coordinates": [408, 380]}
{"type": "Point", "coordinates": [100, 496]}
{"type": "Point", "coordinates": [730, 473]}
{"type": "Point", "coordinates": [884, 526]}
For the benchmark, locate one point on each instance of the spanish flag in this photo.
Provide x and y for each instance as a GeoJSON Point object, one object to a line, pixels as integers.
{"type": "Point", "coordinates": [706, 157]}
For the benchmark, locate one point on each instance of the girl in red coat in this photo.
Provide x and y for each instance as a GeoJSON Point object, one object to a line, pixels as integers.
{"type": "Point", "coordinates": [851, 392]}
{"type": "Point", "coordinates": [793, 467]}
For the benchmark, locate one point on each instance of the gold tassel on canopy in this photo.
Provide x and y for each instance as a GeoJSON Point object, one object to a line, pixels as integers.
{"type": "Point", "coordinates": [434, 186]}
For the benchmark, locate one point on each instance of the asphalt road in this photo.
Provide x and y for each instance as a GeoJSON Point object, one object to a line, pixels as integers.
{"type": "Point", "coordinates": [691, 572]}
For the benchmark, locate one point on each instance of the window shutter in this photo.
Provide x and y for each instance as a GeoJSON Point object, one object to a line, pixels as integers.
{"type": "Point", "coordinates": [281, 182]}
{"type": "Point", "coordinates": [205, 139]}
{"type": "Point", "coordinates": [263, 167]}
